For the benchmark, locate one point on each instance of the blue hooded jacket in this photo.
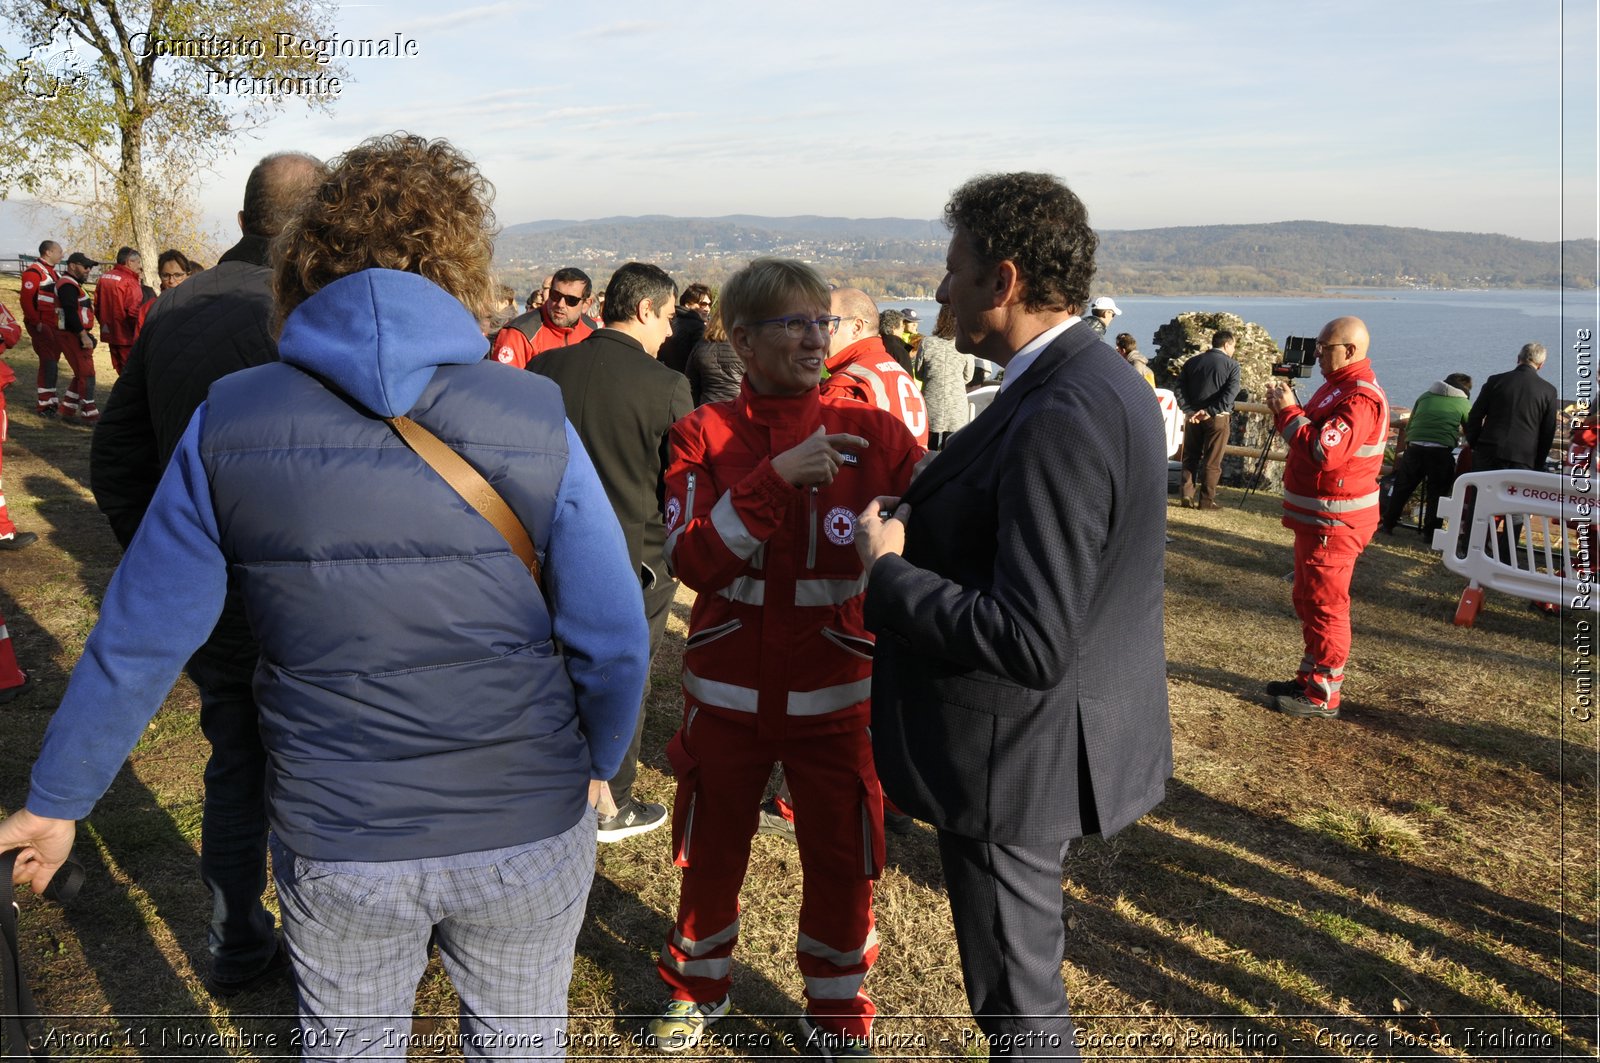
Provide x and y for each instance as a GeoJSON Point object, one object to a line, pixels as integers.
{"type": "Point", "coordinates": [413, 698]}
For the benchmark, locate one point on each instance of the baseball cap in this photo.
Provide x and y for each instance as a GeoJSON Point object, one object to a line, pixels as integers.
{"type": "Point", "coordinates": [78, 258]}
{"type": "Point", "coordinates": [909, 314]}
{"type": "Point", "coordinates": [1105, 302]}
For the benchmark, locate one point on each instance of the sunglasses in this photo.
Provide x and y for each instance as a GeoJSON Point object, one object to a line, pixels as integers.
{"type": "Point", "coordinates": [570, 300]}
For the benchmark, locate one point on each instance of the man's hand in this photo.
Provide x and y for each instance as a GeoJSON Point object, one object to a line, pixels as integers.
{"type": "Point", "coordinates": [45, 844]}
{"type": "Point", "coordinates": [1198, 416]}
{"type": "Point", "coordinates": [1280, 396]}
{"type": "Point", "coordinates": [86, 341]}
{"type": "Point", "coordinates": [876, 534]}
{"type": "Point", "coordinates": [816, 460]}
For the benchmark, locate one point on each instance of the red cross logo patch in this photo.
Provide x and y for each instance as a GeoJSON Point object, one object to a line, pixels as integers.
{"type": "Point", "coordinates": [840, 525]}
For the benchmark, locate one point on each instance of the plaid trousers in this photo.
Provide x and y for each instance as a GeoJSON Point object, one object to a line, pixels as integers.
{"type": "Point", "coordinates": [506, 921]}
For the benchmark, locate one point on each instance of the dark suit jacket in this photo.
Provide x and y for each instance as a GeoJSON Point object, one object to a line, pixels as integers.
{"type": "Point", "coordinates": [621, 401]}
{"type": "Point", "coordinates": [1019, 688]}
{"type": "Point", "coordinates": [1513, 420]}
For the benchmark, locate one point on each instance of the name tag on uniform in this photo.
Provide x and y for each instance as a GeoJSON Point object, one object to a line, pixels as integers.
{"type": "Point", "coordinates": [849, 459]}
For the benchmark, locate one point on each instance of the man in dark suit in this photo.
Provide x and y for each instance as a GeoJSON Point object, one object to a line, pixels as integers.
{"type": "Point", "coordinates": [621, 401]}
{"type": "Point", "coordinates": [1513, 422]}
{"type": "Point", "coordinates": [1019, 687]}
{"type": "Point", "coordinates": [218, 323]}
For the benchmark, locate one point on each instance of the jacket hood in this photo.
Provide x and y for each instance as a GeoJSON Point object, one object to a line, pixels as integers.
{"type": "Point", "coordinates": [1439, 387]}
{"type": "Point", "coordinates": [379, 334]}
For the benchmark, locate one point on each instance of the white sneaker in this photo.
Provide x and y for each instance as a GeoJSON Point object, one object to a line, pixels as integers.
{"type": "Point", "coordinates": [635, 817]}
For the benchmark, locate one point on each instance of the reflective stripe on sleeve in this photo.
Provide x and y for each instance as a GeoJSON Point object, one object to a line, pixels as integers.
{"type": "Point", "coordinates": [746, 589]}
{"type": "Point", "coordinates": [735, 536]}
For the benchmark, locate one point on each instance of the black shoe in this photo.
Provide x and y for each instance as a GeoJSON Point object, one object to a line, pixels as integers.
{"type": "Point", "coordinates": [1300, 705]}
{"type": "Point", "coordinates": [1207, 505]}
{"type": "Point", "coordinates": [1285, 687]}
{"type": "Point", "coordinates": [10, 694]}
{"type": "Point", "coordinates": [773, 821]}
{"type": "Point", "coordinates": [277, 968]}
{"type": "Point", "coordinates": [18, 541]}
{"type": "Point", "coordinates": [635, 817]}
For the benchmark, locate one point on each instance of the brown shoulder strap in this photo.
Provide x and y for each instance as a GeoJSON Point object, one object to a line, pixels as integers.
{"type": "Point", "coordinates": [470, 485]}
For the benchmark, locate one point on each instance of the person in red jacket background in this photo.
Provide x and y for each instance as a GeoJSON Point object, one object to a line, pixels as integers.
{"type": "Point", "coordinates": [75, 338]}
{"type": "Point", "coordinates": [13, 680]}
{"type": "Point", "coordinates": [560, 321]}
{"type": "Point", "coordinates": [39, 318]}
{"type": "Point", "coordinates": [1330, 502]}
{"type": "Point", "coordinates": [118, 297]}
{"type": "Point", "coordinates": [861, 368]}
{"type": "Point", "coordinates": [762, 493]}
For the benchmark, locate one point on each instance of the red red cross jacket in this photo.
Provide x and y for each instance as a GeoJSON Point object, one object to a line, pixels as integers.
{"type": "Point", "coordinates": [117, 299]}
{"type": "Point", "coordinates": [776, 634]}
{"type": "Point", "coordinates": [10, 331]}
{"type": "Point", "coordinates": [1336, 444]}
{"type": "Point", "coordinates": [39, 295]}
{"type": "Point", "coordinates": [866, 372]}
{"type": "Point", "coordinates": [524, 338]}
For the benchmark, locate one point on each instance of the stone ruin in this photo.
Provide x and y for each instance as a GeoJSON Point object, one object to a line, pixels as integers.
{"type": "Point", "coordinates": [1190, 334]}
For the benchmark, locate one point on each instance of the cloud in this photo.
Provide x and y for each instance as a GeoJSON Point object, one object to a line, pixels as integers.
{"type": "Point", "coordinates": [454, 20]}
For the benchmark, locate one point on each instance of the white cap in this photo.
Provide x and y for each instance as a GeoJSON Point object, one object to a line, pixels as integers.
{"type": "Point", "coordinates": [1105, 303]}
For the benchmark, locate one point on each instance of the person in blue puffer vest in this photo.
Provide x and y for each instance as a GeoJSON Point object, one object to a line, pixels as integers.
{"type": "Point", "coordinates": [433, 720]}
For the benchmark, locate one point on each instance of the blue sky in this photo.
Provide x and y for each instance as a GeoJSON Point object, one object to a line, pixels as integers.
{"type": "Point", "coordinates": [1443, 115]}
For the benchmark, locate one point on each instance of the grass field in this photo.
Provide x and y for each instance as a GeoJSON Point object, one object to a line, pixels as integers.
{"type": "Point", "coordinates": [1414, 880]}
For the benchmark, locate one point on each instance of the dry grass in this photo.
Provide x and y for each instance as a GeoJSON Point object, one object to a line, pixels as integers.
{"type": "Point", "coordinates": [1416, 879]}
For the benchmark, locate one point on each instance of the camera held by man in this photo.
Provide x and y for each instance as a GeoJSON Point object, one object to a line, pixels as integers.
{"type": "Point", "coordinates": [1299, 355]}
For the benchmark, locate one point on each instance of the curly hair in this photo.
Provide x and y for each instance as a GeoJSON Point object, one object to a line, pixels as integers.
{"type": "Point", "coordinates": [1036, 222]}
{"type": "Point", "coordinates": [392, 202]}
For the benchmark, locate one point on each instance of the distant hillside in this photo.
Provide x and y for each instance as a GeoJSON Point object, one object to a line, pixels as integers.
{"type": "Point", "coordinates": [904, 257]}
{"type": "Point", "coordinates": [1324, 254]}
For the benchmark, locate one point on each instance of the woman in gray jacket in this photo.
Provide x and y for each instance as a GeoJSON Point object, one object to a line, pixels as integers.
{"type": "Point", "coordinates": [945, 374]}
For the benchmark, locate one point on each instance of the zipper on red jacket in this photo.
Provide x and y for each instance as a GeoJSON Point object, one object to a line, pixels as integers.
{"type": "Point", "coordinates": [811, 550]}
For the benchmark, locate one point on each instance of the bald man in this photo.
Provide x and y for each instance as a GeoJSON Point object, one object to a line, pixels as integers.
{"type": "Point", "coordinates": [1330, 502]}
{"type": "Point", "coordinates": [861, 368]}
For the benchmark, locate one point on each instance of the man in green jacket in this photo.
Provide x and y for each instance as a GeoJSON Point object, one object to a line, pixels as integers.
{"type": "Point", "coordinates": [1428, 441]}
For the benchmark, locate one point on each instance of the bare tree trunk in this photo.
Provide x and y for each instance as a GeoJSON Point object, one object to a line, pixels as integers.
{"type": "Point", "coordinates": [136, 194]}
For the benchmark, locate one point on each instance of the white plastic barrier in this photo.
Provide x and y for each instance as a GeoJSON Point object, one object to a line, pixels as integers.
{"type": "Point", "coordinates": [978, 399]}
{"type": "Point", "coordinates": [1172, 419]}
{"type": "Point", "coordinates": [1554, 563]}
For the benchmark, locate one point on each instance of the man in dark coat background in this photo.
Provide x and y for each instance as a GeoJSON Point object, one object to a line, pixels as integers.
{"type": "Point", "coordinates": [622, 401]}
{"type": "Point", "coordinates": [216, 323]}
{"type": "Point", "coordinates": [1019, 687]}
{"type": "Point", "coordinates": [1513, 422]}
{"type": "Point", "coordinates": [688, 328]}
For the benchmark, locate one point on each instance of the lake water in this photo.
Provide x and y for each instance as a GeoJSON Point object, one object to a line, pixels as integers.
{"type": "Point", "coordinates": [1417, 336]}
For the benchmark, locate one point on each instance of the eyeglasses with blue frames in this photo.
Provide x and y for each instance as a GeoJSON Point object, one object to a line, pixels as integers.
{"type": "Point", "coordinates": [797, 326]}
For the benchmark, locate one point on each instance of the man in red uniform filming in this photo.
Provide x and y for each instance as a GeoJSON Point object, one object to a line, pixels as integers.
{"type": "Point", "coordinates": [1330, 502]}
{"type": "Point", "coordinates": [762, 494]}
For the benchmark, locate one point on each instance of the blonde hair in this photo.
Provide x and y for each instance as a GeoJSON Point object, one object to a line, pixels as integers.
{"type": "Point", "coordinates": [768, 287]}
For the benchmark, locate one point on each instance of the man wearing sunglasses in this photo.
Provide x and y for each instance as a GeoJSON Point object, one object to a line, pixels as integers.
{"type": "Point", "coordinates": [560, 321]}
{"type": "Point", "coordinates": [1330, 502]}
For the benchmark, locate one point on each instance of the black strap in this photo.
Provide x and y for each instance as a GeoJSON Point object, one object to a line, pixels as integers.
{"type": "Point", "coordinates": [20, 1026]}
